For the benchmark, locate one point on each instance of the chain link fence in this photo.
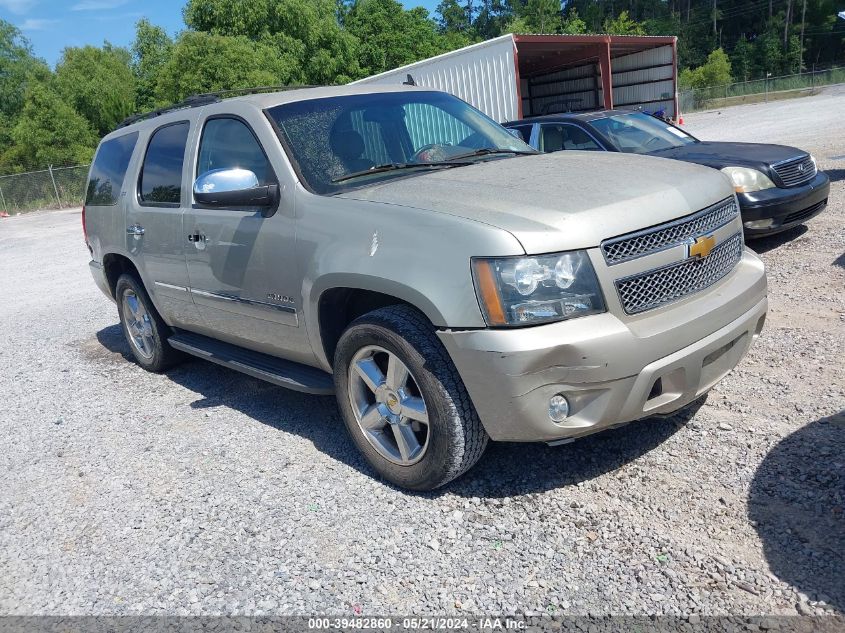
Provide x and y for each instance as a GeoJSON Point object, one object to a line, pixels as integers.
{"type": "Point", "coordinates": [51, 188]}
{"type": "Point", "coordinates": [757, 90]}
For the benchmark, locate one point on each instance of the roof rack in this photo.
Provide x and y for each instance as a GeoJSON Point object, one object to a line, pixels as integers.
{"type": "Point", "coordinates": [256, 90]}
{"type": "Point", "coordinates": [197, 100]}
{"type": "Point", "coordinates": [193, 101]}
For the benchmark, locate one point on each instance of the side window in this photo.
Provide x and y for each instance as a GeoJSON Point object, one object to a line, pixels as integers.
{"type": "Point", "coordinates": [109, 170]}
{"type": "Point", "coordinates": [551, 138]}
{"type": "Point", "coordinates": [228, 143]}
{"type": "Point", "coordinates": [554, 138]}
{"type": "Point", "coordinates": [161, 174]}
{"type": "Point", "coordinates": [524, 132]}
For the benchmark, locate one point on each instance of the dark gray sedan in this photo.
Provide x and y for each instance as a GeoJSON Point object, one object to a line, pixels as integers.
{"type": "Point", "coordinates": [778, 187]}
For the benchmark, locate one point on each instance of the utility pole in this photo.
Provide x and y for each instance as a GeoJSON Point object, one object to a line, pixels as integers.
{"type": "Point", "coordinates": [786, 25]}
{"type": "Point", "coordinates": [714, 17]}
{"type": "Point", "coordinates": [803, 14]}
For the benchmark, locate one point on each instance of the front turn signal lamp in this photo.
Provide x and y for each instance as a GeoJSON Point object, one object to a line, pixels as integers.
{"type": "Point", "coordinates": [515, 291]}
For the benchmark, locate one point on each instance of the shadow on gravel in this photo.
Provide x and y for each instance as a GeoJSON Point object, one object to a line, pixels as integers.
{"type": "Point", "coordinates": [766, 244]}
{"type": "Point", "coordinates": [506, 469]}
{"type": "Point", "coordinates": [797, 505]}
{"type": "Point", "coordinates": [509, 469]}
{"type": "Point", "coordinates": [840, 261]}
{"type": "Point", "coordinates": [835, 175]}
{"type": "Point", "coordinates": [313, 417]}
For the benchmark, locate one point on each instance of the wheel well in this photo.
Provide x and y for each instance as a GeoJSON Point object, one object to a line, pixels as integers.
{"type": "Point", "coordinates": [115, 266]}
{"type": "Point", "coordinates": [338, 307]}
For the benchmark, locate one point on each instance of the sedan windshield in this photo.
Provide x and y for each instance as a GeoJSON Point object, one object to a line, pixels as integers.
{"type": "Point", "coordinates": [640, 133]}
{"type": "Point", "coordinates": [338, 142]}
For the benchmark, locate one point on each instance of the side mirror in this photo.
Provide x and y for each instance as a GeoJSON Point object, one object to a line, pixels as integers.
{"type": "Point", "coordinates": [235, 187]}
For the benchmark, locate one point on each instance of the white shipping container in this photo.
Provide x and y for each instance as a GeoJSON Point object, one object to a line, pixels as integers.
{"type": "Point", "coordinates": [514, 76]}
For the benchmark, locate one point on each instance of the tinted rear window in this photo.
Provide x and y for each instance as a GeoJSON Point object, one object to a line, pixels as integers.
{"type": "Point", "coordinates": [109, 169]}
{"type": "Point", "coordinates": [161, 175]}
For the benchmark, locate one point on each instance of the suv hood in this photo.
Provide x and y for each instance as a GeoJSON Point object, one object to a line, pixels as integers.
{"type": "Point", "coordinates": [559, 201]}
{"type": "Point", "coordinates": [718, 155]}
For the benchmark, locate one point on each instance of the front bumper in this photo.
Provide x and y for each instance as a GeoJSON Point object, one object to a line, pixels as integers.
{"type": "Point", "coordinates": [785, 208]}
{"type": "Point", "coordinates": [609, 372]}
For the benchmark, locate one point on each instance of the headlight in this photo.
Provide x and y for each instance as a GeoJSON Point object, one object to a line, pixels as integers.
{"type": "Point", "coordinates": [529, 290]}
{"type": "Point", "coordinates": [746, 179]}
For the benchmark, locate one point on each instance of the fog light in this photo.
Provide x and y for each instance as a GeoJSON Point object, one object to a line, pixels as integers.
{"type": "Point", "coordinates": [759, 224]}
{"type": "Point", "coordinates": [558, 408]}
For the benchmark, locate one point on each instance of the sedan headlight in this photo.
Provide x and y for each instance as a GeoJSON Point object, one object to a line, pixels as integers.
{"type": "Point", "coordinates": [515, 291]}
{"type": "Point", "coordinates": [746, 180]}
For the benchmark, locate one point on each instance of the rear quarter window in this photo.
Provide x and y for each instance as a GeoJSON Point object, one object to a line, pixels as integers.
{"type": "Point", "coordinates": [109, 170]}
{"type": "Point", "coordinates": [161, 173]}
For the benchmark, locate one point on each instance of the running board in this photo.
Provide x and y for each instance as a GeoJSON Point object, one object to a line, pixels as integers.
{"type": "Point", "coordinates": [280, 372]}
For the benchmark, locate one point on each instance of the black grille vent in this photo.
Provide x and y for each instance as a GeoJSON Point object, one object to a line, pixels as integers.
{"type": "Point", "coordinates": [796, 172]}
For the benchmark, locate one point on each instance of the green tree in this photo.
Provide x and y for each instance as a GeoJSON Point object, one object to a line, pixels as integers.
{"type": "Point", "coordinates": [310, 32]}
{"type": "Point", "coordinates": [50, 132]}
{"type": "Point", "coordinates": [452, 17]}
{"type": "Point", "coordinates": [98, 83]}
{"type": "Point", "coordinates": [769, 53]}
{"type": "Point", "coordinates": [573, 24]}
{"type": "Point", "coordinates": [541, 16]}
{"type": "Point", "coordinates": [492, 18]}
{"type": "Point", "coordinates": [389, 36]}
{"type": "Point", "coordinates": [18, 68]}
{"type": "Point", "coordinates": [623, 25]}
{"type": "Point", "coordinates": [248, 18]}
{"type": "Point", "coordinates": [306, 33]}
{"type": "Point", "coordinates": [204, 62]}
{"type": "Point", "coordinates": [150, 51]}
{"type": "Point", "coordinates": [715, 72]}
{"type": "Point", "coordinates": [792, 56]}
{"type": "Point", "coordinates": [742, 59]}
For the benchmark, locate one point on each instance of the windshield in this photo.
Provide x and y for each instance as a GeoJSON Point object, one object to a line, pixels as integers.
{"type": "Point", "coordinates": [338, 142]}
{"type": "Point", "coordinates": [640, 133]}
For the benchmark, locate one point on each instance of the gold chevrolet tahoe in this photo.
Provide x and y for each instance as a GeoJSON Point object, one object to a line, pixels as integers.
{"type": "Point", "coordinates": [397, 248]}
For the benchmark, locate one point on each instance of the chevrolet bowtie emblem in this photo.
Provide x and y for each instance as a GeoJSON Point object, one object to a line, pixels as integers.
{"type": "Point", "coordinates": [702, 246]}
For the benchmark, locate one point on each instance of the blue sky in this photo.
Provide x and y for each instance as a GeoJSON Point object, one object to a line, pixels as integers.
{"type": "Point", "coordinates": [51, 25]}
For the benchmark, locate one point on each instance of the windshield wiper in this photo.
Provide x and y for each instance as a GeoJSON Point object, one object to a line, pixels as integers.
{"type": "Point", "coordinates": [378, 169]}
{"type": "Point", "coordinates": [487, 151]}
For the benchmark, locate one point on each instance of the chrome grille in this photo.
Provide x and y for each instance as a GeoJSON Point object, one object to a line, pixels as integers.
{"type": "Point", "coordinates": [657, 287]}
{"type": "Point", "coordinates": [796, 171]}
{"type": "Point", "coordinates": [663, 236]}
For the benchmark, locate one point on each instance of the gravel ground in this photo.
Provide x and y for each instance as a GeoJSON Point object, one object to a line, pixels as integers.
{"type": "Point", "coordinates": [205, 491]}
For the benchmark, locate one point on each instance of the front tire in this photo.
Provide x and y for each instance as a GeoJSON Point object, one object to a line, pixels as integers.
{"type": "Point", "coordinates": [403, 401]}
{"type": "Point", "coordinates": [143, 327]}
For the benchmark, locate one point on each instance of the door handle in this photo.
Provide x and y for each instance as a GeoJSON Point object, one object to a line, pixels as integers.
{"type": "Point", "coordinates": [135, 229]}
{"type": "Point", "coordinates": [196, 238]}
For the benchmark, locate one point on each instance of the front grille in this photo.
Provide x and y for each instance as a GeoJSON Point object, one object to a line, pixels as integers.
{"type": "Point", "coordinates": [663, 236]}
{"type": "Point", "coordinates": [796, 171]}
{"type": "Point", "coordinates": [805, 213]}
{"type": "Point", "coordinates": [657, 287]}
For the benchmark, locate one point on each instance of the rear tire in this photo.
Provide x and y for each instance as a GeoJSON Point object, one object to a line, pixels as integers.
{"type": "Point", "coordinates": [145, 331]}
{"type": "Point", "coordinates": [403, 401]}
